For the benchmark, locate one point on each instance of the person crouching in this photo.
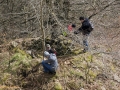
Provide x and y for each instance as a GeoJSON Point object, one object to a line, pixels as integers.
{"type": "Point", "coordinates": [51, 64]}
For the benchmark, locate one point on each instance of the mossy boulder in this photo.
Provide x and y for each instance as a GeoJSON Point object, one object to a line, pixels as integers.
{"type": "Point", "coordinates": [58, 86]}
{"type": "Point", "coordinates": [63, 45]}
{"type": "Point", "coordinates": [76, 51]}
{"type": "Point", "coordinates": [73, 85]}
{"type": "Point", "coordinates": [92, 74]}
{"type": "Point", "coordinates": [20, 62]}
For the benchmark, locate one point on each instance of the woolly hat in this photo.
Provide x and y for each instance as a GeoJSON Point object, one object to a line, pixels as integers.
{"type": "Point", "coordinates": [46, 54]}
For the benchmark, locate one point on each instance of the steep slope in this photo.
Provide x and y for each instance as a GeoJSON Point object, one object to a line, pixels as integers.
{"type": "Point", "coordinates": [86, 71]}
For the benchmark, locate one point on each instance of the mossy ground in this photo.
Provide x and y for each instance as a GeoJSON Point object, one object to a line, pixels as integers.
{"type": "Point", "coordinates": [74, 73]}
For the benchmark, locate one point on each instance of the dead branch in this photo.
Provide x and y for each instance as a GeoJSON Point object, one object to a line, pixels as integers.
{"type": "Point", "coordinates": [22, 13]}
{"type": "Point", "coordinates": [29, 19]}
{"type": "Point", "coordinates": [1, 1]}
{"type": "Point", "coordinates": [116, 35]}
{"type": "Point", "coordinates": [94, 14]}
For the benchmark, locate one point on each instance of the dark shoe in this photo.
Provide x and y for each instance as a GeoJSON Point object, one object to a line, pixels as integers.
{"type": "Point", "coordinates": [52, 73]}
{"type": "Point", "coordinates": [46, 71]}
{"type": "Point", "coordinates": [84, 51]}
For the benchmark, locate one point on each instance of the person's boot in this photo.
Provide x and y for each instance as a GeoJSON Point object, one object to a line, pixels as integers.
{"type": "Point", "coordinates": [84, 51]}
{"type": "Point", "coordinates": [52, 73]}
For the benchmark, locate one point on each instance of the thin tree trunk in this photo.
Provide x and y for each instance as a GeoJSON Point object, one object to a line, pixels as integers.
{"type": "Point", "coordinates": [41, 27]}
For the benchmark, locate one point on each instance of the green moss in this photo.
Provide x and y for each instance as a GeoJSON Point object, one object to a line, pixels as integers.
{"type": "Point", "coordinates": [64, 33]}
{"type": "Point", "coordinates": [19, 61]}
{"type": "Point", "coordinates": [69, 41]}
{"type": "Point", "coordinates": [5, 77]}
{"type": "Point", "coordinates": [112, 68]}
{"type": "Point", "coordinates": [88, 57]}
{"type": "Point", "coordinates": [76, 52]}
{"type": "Point", "coordinates": [58, 86]}
{"type": "Point", "coordinates": [84, 66]}
{"type": "Point", "coordinates": [18, 50]}
{"type": "Point", "coordinates": [92, 74]}
{"type": "Point", "coordinates": [76, 73]}
{"type": "Point", "coordinates": [73, 85]}
{"type": "Point", "coordinates": [78, 58]}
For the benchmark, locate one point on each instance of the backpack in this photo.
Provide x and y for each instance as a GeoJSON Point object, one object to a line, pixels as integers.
{"type": "Point", "coordinates": [91, 27]}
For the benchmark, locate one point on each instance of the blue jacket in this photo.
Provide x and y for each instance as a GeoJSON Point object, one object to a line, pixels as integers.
{"type": "Point", "coordinates": [52, 60]}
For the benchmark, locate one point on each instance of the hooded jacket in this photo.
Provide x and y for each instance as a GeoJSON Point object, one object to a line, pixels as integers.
{"type": "Point", "coordinates": [52, 60]}
{"type": "Point", "coordinates": [86, 27]}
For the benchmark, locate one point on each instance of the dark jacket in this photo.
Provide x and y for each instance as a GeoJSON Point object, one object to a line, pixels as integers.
{"type": "Point", "coordinates": [86, 27]}
{"type": "Point", "coordinates": [51, 51]}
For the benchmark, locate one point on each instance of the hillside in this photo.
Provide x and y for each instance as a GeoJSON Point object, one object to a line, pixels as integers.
{"type": "Point", "coordinates": [25, 26]}
{"type": "Point", "coordinates": [88, 71]}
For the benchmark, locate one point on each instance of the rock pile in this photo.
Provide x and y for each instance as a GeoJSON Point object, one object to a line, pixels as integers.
{"type": "Point", "coordinates": [62, 44]}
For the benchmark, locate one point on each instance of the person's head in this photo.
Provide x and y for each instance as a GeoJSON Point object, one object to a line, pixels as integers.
{"type": "Point", "coordinates": [53, 50]}
{"type": "Point", "coordinates": [46, 54]}
{"type": "Point", "coordinates": [81, 19]}
{"type": "Point", "coordinates": [48, 47]}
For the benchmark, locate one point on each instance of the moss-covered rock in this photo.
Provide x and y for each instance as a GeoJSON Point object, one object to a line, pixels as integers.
{"type": "Point", "coordinates": [76, 51]}
{"type": "Point", "coordinates": [58, 85]}
{"type": "Point", "coordinates": [20, 63]}
{"type": "Point", "coordinates": [5, 77]}
{"type": "Point", "coordinates": [63, 45]}
{"type": "Point", "coordinates": [73, 85]}
{"type": "Point", "coordinates": [92, 74]}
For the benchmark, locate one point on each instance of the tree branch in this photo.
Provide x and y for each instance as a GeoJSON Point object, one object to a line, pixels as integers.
{"type": "Point", "coordinates": [32, 18]}
{"type": "Point", "coordinates": [1, 1]}
{"type": "Point", "coordinates": [116, 35]}
{"type": "Point", "coordinates": [16, 13]}
{"type": "Point", "coordinates": [101, 10]}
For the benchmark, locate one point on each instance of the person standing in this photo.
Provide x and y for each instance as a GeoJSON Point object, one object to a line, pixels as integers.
{"type": "Point", "coordinates": [86, 29]}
